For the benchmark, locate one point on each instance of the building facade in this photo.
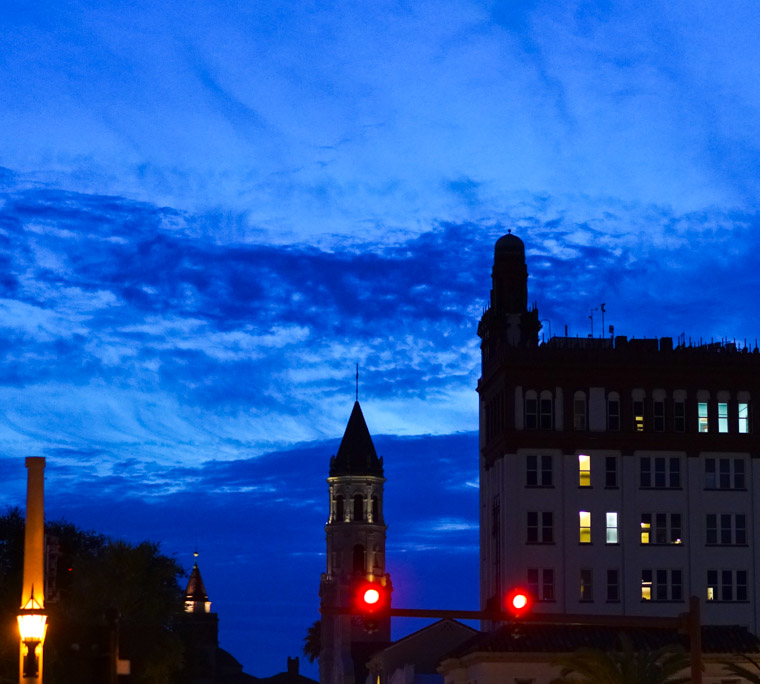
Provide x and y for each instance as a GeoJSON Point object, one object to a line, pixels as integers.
{"type": "Point", "coordinates": [355, 538]}
{"type": "Point", "coordinates": [617, 476]}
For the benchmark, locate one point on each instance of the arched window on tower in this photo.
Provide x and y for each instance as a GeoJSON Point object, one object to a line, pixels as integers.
{"type": "Point", "coordinates": [375, 509]}
{"type": "Point", "coordinates": [359, 508]}
{"type": "Point", "coordinates": [339, 508]}
{"type": "Point", "coordinates": [359, 560]}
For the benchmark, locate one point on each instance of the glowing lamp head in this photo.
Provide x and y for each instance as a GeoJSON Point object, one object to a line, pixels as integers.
{"type": "Point", "coordinates": [32, 622]}
{"type": "Point", "coordinates": [518, 602]}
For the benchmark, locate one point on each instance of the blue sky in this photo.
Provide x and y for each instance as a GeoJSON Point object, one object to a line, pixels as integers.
{"type": "Point", "coordinates": [209, 212]}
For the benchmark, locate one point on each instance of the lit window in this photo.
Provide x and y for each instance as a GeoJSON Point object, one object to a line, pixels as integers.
{"type": "Point", "coordinates": [584, 470]}
{"type": "Point", "coordinates": [661, 528]}
{"type": "Point", "coordinates": [702, 414]}
{"type": "Point", "coordinates": [638, 416]}
{"type": "Point", "coordinates": [743, 418]}
{"type": "Point", "coordinates": [727, 585]}
{"type": "Point", "coordinates": [661, 585]}
{"type": "Point", "coordinates": [722, 417]}
{"type": "Point", "coordinates": [585, 527]}
{"type": "Point", "coordinates": [646, 528]}
{"type": "Point", "coordinates": [612, 528]}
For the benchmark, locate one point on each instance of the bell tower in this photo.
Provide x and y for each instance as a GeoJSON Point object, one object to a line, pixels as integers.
{"type": "Point", "coordinates": [355, 535]}
{"type": "Point", "coordinates": [508, 321]}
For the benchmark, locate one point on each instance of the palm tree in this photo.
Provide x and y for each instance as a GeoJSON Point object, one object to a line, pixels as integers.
{"type": "Point", "coordinates": [627, 666]}
{"type": "Point", "coordinates": [312, 642]}
{"type": "Point", "coordinates": [752, 676]}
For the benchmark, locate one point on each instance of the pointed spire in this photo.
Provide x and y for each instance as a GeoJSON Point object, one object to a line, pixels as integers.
{"type": "Point", "coordinates": [196, 598]}
{"type": "Point", "coordinates": [356, 454]}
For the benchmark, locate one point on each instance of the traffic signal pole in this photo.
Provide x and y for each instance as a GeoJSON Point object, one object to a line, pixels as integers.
{"type": "Point", "coordinates": [688, 623]}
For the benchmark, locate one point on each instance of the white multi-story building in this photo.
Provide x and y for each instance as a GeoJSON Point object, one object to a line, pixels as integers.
{"type": "Point", "coordinates": [617, 476]}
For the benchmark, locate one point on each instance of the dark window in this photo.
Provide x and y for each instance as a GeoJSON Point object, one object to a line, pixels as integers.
{"type": "Point", "coordinates": [531, 414]}
{"type": "Point", "coordinates": [541, 583]}
{"type": "Point", "coordinates": [339, 510]}
{"type": "Point", "coordinates": [359, 508]}
{"type": "Point", "coordinates": [375, 509]}
{"type": "Point", "coordinates": [613, 586]}
{"type": "Point", "coordinates": [613, 415]}
{"type": "Point", "coordinates": [358, 559]}
{"type": "Point", "coordinates": [538, 471]}
{"type": "Point", "coordinates": [540, 527]}
{"type": "Point", "coordinates": [587, 588]}
{"type": "Point", "coordinates": [679, 416]}
{"type": "Point", "coordinates": [547, 414]}
{"type": "Point", "coordinates": [610, 472]}
{"type": "Point", "coordinates": [579, 414]}
{"type": "Point", "coordinates": [667, 472]}
{"type": "Point", "coordinates": [725, 529]}
{"type": "Point", "coordinates": [724, 473]}
{"type": "Point", "coordinates": [659, 416]}
{"type": "Point", "coordinates": [645, 473]}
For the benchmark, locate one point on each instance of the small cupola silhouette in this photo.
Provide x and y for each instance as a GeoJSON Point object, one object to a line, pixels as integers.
{"type": "Point", "coordinates": [196, 598]}
{"type": "Point", "coordinates": [510, 275]}
{"type": "Point", "coordinates": [356, 454]}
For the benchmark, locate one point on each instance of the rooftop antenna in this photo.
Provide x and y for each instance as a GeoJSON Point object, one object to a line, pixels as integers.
{"type": "Point", "coordinates": [357, 382]}
{"type": "Point", "coordinates": [602, 309]}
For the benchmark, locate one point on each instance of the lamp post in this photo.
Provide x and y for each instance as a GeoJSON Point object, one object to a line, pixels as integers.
{"type": "Point", "coordinates": [32, 620]}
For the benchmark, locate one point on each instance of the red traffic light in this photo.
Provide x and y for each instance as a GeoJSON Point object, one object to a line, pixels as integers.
{"type": "Point", "coordinates": [518, 602]}
{"type": "Point", "coordinates": [370, 598]}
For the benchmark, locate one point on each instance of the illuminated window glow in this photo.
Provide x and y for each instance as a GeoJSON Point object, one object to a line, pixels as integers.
{"type": "Point", "coordinates": [638, 416]}
{"type": "Point", "coordinates": [584, 518]}
{"type": "Point", "coordinates": [584, 471]}
{"type": "Point", "coordinates": [722, 417]}
{"type": "Point", "coordinates": [612, 528]}
{"type": "Point", "coordinates": [743, 418]}
{"type": "Point", "coordinates": [702, 416]}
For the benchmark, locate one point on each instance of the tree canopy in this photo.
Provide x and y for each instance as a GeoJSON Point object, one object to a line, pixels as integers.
{"type": "Point", "coordinates": [95, 579]}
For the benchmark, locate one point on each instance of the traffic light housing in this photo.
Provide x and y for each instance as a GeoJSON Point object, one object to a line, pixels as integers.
{"type": "Point", "coordinates": [518, 602]}
{"type": "Point", "coordinates": [371, 603]}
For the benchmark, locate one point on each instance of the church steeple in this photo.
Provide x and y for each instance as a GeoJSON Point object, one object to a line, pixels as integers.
{"type": "Point", "coordinates": [355, 535]}
{"type": "Point", "coordinates": [356, 454]}
{"type": "Point", "coordinates": [196, 598]}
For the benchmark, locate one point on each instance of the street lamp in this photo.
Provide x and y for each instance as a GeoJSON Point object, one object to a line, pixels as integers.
{"type": "Point", "coordinates": [32, 624]}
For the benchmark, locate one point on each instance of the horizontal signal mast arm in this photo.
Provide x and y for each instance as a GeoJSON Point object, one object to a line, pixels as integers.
{"type": "Point", "coordinates": [535, 618]}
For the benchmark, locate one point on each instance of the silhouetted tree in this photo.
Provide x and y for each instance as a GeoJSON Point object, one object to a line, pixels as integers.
{"type": "Point", "coordinates": [627, 666]}
{"type": "Point", "coordinates": [312, 642]}
{"type": "Point", "coordinates": [751, 673]}
{"type": "Point", "coordinates": [96, 576]}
